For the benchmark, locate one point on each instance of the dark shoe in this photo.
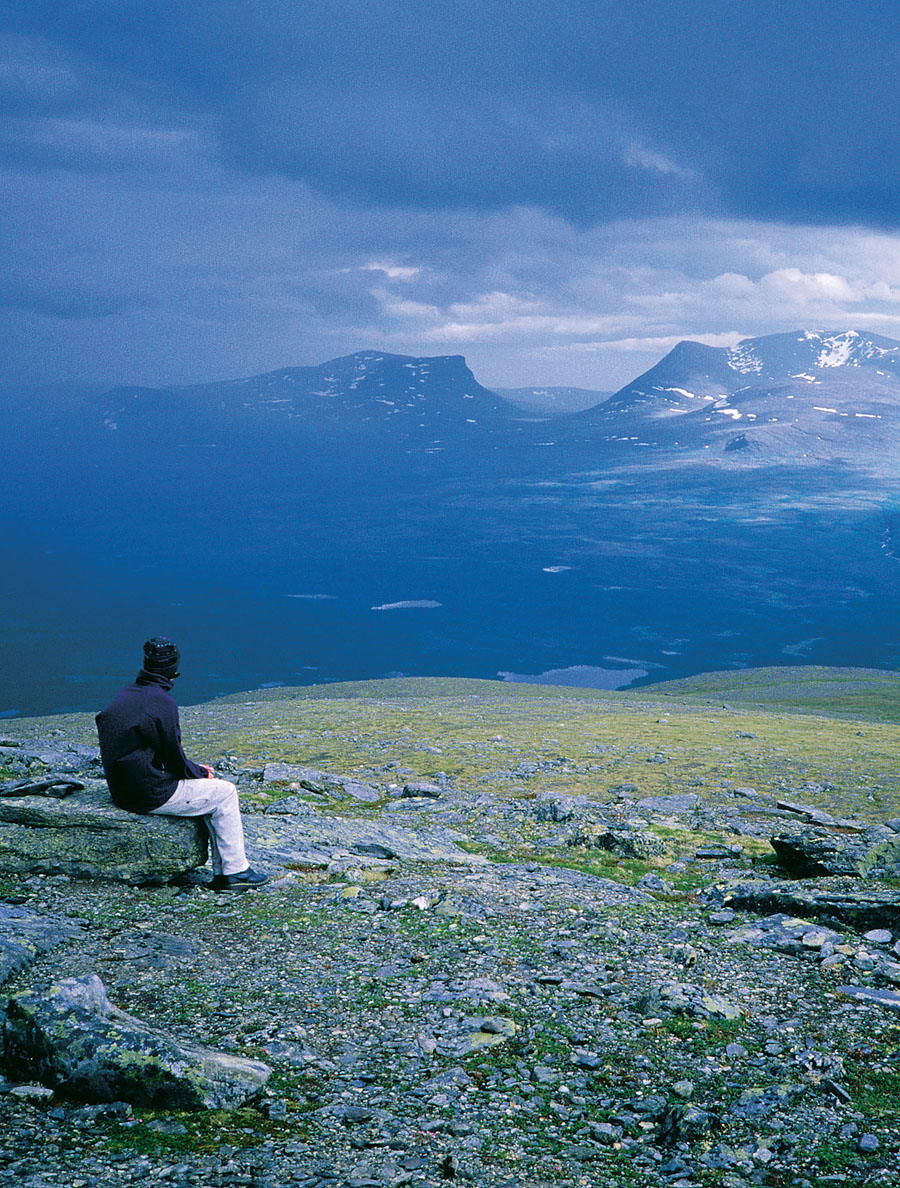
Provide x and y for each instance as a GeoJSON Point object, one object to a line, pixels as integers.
{"type": "Point", "coordinates": [244, 880]}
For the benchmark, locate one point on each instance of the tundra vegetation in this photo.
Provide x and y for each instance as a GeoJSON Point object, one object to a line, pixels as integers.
{"type": "Point", "coordinates": [515, 935]}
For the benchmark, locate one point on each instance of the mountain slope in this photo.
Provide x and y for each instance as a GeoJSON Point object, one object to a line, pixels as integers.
{"type": "Point", "coordinates": [367, 391]}
{"type": "Point", "coordinates": [810, 395]}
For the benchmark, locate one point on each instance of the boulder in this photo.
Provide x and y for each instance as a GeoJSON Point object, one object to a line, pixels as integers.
{"type": "Point", "coordinates": [75, 1041]}
{"type": "Point", "coordinates": [623, 841]}
{"type": "Point", "coordinates": [683, 998]}
{"type": "Point", "coordinates": [86, 836]}
{"type": "Point", "coordinates": [431, 791]}
{"type": "Point", "coordinates": [810, 852]}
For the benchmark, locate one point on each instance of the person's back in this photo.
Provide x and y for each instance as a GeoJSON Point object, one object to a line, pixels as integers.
{"type": "Point", "coordinates": [148, 771]}
{"type": "Point", "coordinates": [140, 745]}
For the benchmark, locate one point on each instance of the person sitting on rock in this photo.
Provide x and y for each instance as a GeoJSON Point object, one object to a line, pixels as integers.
{"type": "Point", "coordinates": [148, 771]}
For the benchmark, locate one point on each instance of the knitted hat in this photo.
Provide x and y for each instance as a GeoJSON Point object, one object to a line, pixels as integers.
{"type": "Point", "coordinates": [161, 656]}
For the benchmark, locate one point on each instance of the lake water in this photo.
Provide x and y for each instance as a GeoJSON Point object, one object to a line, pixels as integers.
{"type": "Point", "coordinates": [350, 580]}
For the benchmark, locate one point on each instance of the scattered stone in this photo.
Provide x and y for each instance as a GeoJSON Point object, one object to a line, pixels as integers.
{"type": "Point", "coordinates": [725, 916]}
{"type": "Point", "coordinates": [760, 1102]}
{"type": "Point", "coordinates": [655, 884]}
{"type": "Point", "coordinates": [605, 1133]}
{"type": "Point", "coordinates": [868, 1143]}
{"type": "Point", "coordinates": [718, 853]}
{"type": "Point", "coordinates": [431, 791]}
{"type": "Point", "coordinates": [589, 1060]}
{"type": "Point", "coordinates": [86, 836]}
{"type": "Point", "coordinates": [878, 936]}
{"type": "Point", "coordinates": [75, 1041]}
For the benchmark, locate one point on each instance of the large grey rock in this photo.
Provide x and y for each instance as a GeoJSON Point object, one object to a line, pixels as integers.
{"type": "Point", "coordinates": [24, 936]}
{"type": "Point", "coordinates": [86, 836]}
{"type": "Point", "coordinates": [75, 1041]}
{"type": "Point", "coordinates": [809, 852]}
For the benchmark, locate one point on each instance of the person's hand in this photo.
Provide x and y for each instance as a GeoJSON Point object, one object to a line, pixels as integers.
{"type": "Point", "coordinates": [210, 774]}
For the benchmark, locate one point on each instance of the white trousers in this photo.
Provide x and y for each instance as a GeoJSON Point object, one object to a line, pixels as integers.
{"type": "Point", "coordinates": [216, 801]}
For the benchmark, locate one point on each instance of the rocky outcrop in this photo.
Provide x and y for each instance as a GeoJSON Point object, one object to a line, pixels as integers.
{"type": "Point", "coordinates": [86, 836]}
{"type": "Point", "coordinates": [874, 853]}
{"type": "Point", "coordinates": [320, 783]}
{"type": "Point", "coordinates": [839, 901]}
{"type": "Point", "coordinates": [625, 841]}
{"type": "Point", "coordinates": [293, 832]}
{"type": "Point", "coordinates": [73, 1040]}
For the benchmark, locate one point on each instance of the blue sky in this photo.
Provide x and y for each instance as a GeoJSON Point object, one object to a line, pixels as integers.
{"type": "Point", "coordinates": [559, 190]}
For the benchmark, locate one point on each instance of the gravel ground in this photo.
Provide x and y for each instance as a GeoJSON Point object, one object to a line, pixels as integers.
{"type": "Point", "coordinates": [502, 1013]}
{"type": "Point", "coordinates": [497, 1026]}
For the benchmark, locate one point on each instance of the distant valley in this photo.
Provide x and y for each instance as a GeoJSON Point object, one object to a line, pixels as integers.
{"type": "Point", "coordinates": [382, 513]}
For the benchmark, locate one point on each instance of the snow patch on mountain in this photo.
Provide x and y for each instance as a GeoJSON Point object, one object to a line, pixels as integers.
{"type": "Point", "coordinates": [744, 358]}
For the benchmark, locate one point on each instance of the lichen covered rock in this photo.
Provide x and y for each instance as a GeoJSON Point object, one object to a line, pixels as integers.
{"type": "Point", "coordinates": [74, 1040]}
{"type": "Point", "coordinates": [86, 836]}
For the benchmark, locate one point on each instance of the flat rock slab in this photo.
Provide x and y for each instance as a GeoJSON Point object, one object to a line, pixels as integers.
{"type": "Point", "coordinates": [888, 999]}
{"type": "Point", "coordinates": [75, 1041]}
{"type": "Point", "coordinates": [292, 831]}
{"type": "Point", "coordinates": [320, 783]}
{"type": "Point", "coordinates": [24, 936]}
{"type": "Point", "coordinates": [833, 901]}
{"type": "Point", "coordinates": [86, 836]}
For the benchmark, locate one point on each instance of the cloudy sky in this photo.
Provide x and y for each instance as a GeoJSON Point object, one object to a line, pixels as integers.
{"type": "Point", "coordinates": [557, 189]}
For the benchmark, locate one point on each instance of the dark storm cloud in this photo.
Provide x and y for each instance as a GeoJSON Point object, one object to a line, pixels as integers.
{"type": "Point", "coordinates": [559, 189]}
{"type": "Point", "coordinates": [585, 107]}
{"type": "Point", "coordinates": [67, 297]}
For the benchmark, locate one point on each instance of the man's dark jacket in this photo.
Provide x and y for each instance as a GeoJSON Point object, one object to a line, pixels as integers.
{"type": "Point", "coordinates": [140, 744]}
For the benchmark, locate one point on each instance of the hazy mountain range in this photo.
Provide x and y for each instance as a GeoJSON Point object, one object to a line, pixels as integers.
{"type": "Point", "coordinates": [381, 513]}
{"type": "Point", "coordinates": [810, 396]}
